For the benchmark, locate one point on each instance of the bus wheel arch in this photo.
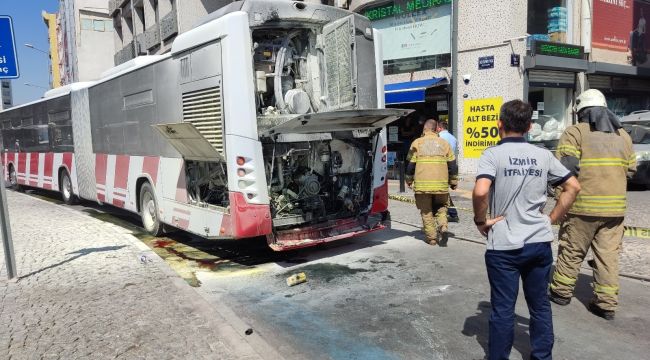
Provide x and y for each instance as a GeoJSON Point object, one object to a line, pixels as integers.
{"type": "Point", "coordinates": [65, 187]}
{"type": "Point", "coordinates": [148, 209]}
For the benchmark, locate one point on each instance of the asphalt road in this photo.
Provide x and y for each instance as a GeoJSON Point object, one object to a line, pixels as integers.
{"type": "Point", "coordinates": [386, 295]}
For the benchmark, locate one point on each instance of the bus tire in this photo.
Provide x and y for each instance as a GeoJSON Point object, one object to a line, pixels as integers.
{"type": "Point", "coordinates": [65, 185]}
{"type": "Point", "coordinates": [149, 211]}
{"type": "Point", "coordinates": [13, 179]}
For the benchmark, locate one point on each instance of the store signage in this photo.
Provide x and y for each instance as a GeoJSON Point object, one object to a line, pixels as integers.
{"type": "Point", "coordinates": [515, 60]}
{"type": "Point", "coordinates": [8, 59]}
{"type": "Point", "coordinates": [441, 105]}
{"type": "Point", "coordinates": [400, 7]}
{"type": "Point", "coordinates": [414, 28]}
{"type": "Point", "coordinates": [486, 62]}
{"type": "Point", "coordinates": [558, 49]}
{"type": "Point", "coordinates": [480, 125]}
{"type": "Point", "coordinates": [620, 28]}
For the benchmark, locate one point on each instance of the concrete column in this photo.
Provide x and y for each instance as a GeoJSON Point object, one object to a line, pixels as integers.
{"type": "Point", "coordinates": [487, 29]}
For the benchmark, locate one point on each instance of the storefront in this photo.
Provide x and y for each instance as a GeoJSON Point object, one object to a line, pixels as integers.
{"type": "Point", "coordinates": [551, 74]}
{"type": "Point", "coordinates": [416, 45]}
{"type": "Point", "coordinates": [627, 88]}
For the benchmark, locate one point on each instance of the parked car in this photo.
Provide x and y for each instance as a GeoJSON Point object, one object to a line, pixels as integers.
{"type": "Point", "coordinates": [637, 124]}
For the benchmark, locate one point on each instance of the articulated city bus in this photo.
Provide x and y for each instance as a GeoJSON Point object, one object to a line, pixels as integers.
{"type": "Point", "coordinates": [266, 119]}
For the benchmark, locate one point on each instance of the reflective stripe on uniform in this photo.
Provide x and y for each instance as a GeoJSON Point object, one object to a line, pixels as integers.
{"type": "Point", "coordinates": [605, 289]}
{"type": "Point", "coordinates": [432, 161]}
{"type": "Point", "coordinates": [604, 162]}
{"type": "Point", "coordinates": [430, 185]}
{"type": "Point", "coordinates": [569, 149]}
{"type": "Point", "coordinates": [600, 203]}
{"type": "Point", "coordinates": [564, 280]}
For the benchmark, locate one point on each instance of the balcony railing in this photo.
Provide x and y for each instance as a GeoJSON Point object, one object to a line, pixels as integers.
{"type": "Point", "coordinates": [168, 26]}
{"type": "Point", "coordinates": [152, 37]}
{"type": "Point", "coordinates": [127, 53]}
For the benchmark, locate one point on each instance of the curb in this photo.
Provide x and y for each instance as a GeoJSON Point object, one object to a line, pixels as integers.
{"type": "Point", "coordinates": [249, 347]}
{"type": "Point", "coordinates": [479, 242]}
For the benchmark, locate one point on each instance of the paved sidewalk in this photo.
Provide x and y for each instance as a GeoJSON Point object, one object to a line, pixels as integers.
{"type": "Point", "coordinates": [88, 290]}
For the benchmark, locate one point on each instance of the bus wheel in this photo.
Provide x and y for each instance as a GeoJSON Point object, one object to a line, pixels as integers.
{"type": "Point", "coordinates": [13, 179]}
{"type": "Point", "coordinates": [66, 189]}
{"type": "Point", "coordinates": [149, 211]}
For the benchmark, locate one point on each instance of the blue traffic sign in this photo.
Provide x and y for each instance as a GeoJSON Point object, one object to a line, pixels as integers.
{"type": "Point", "coordinates": [8, 58]}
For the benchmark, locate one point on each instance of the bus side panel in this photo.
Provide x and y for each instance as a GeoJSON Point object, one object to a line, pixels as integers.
{"type": "Point", "coordinates": [84, 174]}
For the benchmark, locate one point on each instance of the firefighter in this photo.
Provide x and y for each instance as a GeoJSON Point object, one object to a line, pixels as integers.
{"type": "Point", "coordinates": [600, 153]}
{"type": "Point", "coordinates": [430, 171]}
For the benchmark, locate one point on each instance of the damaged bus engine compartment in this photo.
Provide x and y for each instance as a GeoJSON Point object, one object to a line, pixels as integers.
{"type": "Point", "coordinates": [315, 181]}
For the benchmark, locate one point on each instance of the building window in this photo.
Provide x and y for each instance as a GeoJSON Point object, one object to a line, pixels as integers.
{"type": "Point", "coordinates": [108, 25]}
{"type": "Point", "coordinates": [549, 20]}
{"type": "Point", "coordinates": [86, 24]}
{"type": "Point", "coordinates": [98, 25]}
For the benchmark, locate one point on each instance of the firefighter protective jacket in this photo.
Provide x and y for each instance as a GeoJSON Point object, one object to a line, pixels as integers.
{"type": "Point", "coordinates": [606, 160]}
{"type": "Point", "coordinates": [431, 165]}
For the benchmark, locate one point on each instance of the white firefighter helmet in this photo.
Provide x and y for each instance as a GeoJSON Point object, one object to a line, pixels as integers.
{"type": "Point", "coordinates": [591, 97]}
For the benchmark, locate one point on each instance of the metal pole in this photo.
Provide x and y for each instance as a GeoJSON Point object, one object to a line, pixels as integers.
{"type": "Point", "coordinates": [7, 243]}
{"type": "Point", "coordinates": [402, 181]}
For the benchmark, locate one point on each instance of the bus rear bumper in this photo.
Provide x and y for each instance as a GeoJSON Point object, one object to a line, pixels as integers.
{"type": "Point", "coordinates": [331, 231]}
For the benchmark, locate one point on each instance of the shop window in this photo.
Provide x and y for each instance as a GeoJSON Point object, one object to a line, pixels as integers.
{"type": "Point", "coordinates": [552, 113]}
{"type": "Point", "coordinates": [550, 20]}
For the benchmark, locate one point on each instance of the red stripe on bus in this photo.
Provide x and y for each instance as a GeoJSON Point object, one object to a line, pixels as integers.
{"type": "Point", "coordinates": [49, 164]}
{"type": "Point", "coordinates": [248, 220]}
{"type": "Point", "coordinates": [150, 167]}
{"type": "Point", "coordinates": [22, 166]}
{"type": "Point", "coordinates": [33, 168]}
{"type": "Point", "coordinates": [181, 187]}
{"type": "Point", "coordinates": [118, 203]}
{"type": "Point", "coordinates": [181, 223]}
{"type": "Point", "coordinates": [184, 212]}
{"type": "Point", "coordinates": [100, 169]}
{"type": "Point", "coordinates": [67, 161]}
{"type": "Point", "coordinates": [121, 171]}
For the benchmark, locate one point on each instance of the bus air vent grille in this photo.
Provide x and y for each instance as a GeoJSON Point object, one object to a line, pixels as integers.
{"type": "Point", "coordinates": [202, 108]}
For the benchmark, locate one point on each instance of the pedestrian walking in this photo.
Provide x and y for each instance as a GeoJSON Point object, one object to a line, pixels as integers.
{"type": "Point", "coordinates": [443, 132]}
{"type": "Point", "coordinates": [599, 152]}
{"type": "Point", "coordinates": [512, 181]}
{"type": "Point", "coordinates": [431, 169]}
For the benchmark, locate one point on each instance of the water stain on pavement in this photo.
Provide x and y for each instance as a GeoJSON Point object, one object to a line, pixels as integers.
{"type": "Point", "coordinates": [329, 271]}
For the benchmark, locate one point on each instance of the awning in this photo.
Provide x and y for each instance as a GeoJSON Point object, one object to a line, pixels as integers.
{"type": "Point", "coordinates": [411, 91]}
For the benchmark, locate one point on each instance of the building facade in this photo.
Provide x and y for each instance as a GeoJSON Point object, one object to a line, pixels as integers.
{"type": "Point", "coordinates": [148, 27]}
{"type": "Point", "coordinates": [5, 95]}
{"type": "Point", "coordinates": [81, 41]}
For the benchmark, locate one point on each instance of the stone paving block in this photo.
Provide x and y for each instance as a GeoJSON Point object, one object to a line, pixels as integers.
{"type": "Point", "coordinates": [83, 293]}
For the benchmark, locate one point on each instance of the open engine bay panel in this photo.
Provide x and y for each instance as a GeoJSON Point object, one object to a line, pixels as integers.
{"type": "Point", "coordinates": [319, 179]}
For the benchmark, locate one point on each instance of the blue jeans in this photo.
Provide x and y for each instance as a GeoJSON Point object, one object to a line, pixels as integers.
{"type": "Point", "coordinates": [533, 264]}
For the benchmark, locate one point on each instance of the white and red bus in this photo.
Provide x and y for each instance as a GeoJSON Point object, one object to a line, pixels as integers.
{"type": "Point", "coordinates": [266, 119]}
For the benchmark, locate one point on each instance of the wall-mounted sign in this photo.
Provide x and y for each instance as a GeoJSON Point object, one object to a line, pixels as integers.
{"type": "Point", "coordinates": [515, 60]}
{"type": "Point", "coordinates": [480, 125]}
{"type": "Point", "coordinates": [393, 134]}
{"type": "Point", "coordinates": [620, 32]}
{"type": "Point", "coordinates": [486, 62]}
{"type": "Point", "coordinates": [441, 105]}
{"type": "Point", "coordinates": [413, 28]}
{"type": "Point", "coordinates": [558, 49]}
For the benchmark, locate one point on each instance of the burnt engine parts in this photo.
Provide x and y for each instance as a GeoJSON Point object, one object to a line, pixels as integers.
{"type": "Point", "coordinates": [319, 180]}
{"type": "Point", "coordinates": [287, 71]}
{"type": "Point", "coordinates": [206, 183]}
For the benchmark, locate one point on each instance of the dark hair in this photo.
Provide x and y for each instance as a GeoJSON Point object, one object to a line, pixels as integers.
{"type": "Point", "coordinates": [516, 116]}
{"type": "Point", "coordinates": [443, 124]}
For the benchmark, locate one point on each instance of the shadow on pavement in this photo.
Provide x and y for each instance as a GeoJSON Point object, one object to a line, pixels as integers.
{"type": "Point", "coordinates": [216, 254]}
{"type": "Point", "coordinates": [477, 326]}
{"type": "Point", "coordinates": [77, 254]}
